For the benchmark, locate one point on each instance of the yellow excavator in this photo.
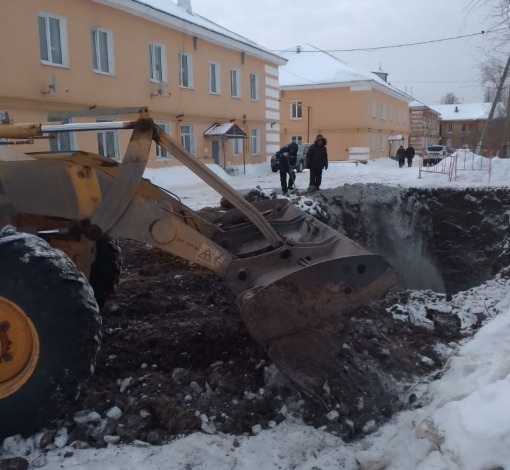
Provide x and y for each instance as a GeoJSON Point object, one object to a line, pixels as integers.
{"type": "Point", "coordinates": [294, 277]}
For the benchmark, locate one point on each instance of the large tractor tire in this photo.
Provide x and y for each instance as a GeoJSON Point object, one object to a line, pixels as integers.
{"type": "Point", "coordinates": [106, 270]}
{"type": "Point", "coordinates": [50, 332]}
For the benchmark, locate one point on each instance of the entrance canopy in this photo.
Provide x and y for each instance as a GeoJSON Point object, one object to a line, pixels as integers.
{"type": "Point", "coordinates": [396, 138]}
{"type": "Point", "coordinates": [226, 131]}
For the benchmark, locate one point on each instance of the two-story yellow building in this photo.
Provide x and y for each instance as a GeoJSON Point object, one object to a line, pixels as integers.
{"type": "Point", "coordinates": [357, 111]}
{"type": "Point", "coordinates": [70, 60]}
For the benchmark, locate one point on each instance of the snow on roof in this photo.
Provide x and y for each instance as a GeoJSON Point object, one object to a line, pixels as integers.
{"type": "Point", "coordinates": [311, 67]}
{"type": "Point", "coordinates": [225, 130]}
{"type": "Point", "coordinates": [463, 112]}
{"type": "Point", "coordinates": [171, 10]}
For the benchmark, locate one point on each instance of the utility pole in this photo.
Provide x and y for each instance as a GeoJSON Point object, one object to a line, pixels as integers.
{"type": "Point", "coordinates": [493, 109]}
{"type": "Point", "coordinates": [507, 128]}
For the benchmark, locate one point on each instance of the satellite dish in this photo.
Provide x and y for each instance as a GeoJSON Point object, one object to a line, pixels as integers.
{"type": "Point", "coordinates": [54, 83]}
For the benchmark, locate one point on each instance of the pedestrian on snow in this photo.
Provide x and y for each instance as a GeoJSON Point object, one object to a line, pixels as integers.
{"type": "Point", "coordinates": [316, 161]}
{"type": "Point", "coordinates": [288, 160]}
{"type": "Point", "coordinates": [401, 156]}
{"type": "Point", "coordinates": [410, 153]}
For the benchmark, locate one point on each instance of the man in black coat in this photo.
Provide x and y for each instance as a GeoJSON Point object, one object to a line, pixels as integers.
{"type": "Point", "coordinates": [401, 156]}
{"type": "Point", "coordinates": [410, 153]}
{"type": "Point", "coordinates": [317, 160]}
{"type": "Point", "coordinates": [288, 160]}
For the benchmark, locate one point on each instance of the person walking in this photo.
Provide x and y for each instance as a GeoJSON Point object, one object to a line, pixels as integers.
{"type": "Point", "coordinates": [316, 161]}
{"type": "Point", "coordinates": [287, 161]}
{"type": "Point", "coordinates": [410, 153]}
{"type": "Point", "coordinates": [401, 156]}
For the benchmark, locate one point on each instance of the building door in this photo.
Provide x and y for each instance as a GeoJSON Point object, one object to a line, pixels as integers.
{"type": "Point", "coordinates": [216, 151]}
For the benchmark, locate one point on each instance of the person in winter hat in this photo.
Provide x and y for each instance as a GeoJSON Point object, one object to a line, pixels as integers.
{"type": "Point", "coordinates": [410, 153]}
{"type": "Point", "coordinates": [288, 160]}
{"type": "Point", "coordinates": [317, 160]}
{"type": "Point", "coordinates": [401, 156]}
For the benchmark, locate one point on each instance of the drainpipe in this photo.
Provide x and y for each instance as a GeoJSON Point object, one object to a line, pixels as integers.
{"type": "Point", "coordinates": [308, 136]}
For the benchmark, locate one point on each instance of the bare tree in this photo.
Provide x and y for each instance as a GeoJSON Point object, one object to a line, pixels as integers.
{"type": "Point", "coordinates": [450, 98]}
{"type": "Point", "coordinates": [491, 74]}
{"type": "Point", "coordinates": [498, 17]}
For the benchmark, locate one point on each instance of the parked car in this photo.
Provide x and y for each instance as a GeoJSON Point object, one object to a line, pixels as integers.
{"type": "Point", "coordinates": [435, 154]}
{"type": "Point", "coordinates": [300, 162]}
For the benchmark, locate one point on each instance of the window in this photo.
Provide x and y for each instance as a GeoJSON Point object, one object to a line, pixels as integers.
{"type": "Point", "coordinates": [238, 147]}
{"type": "Point", "coordinates": [470, 127]}
{"type": "Point", "coordinates": [235, 83]}
{"type": "Point", "coordinates": [374, 109]}
{"type": "Point", "coordinates": [53, 39]}
{"type": "Point", "coordinates": [108, 142]}
{"type": "Point", "coordinates": [254, 86]}
{"type": "Point", "coordinates": [160, 151]}
{"type": "Point", "coordinates": [383, 143]}
{"type": "Point", "coordinates": [4, 116]}
{"type": "Point", "coordinates": [157, 53]}
{"type": "Point", "coordinates": [464, 127]}
{"type": "Point", "coordinates": [255, 142]}
{"type": "Point", "coordinates": [188, 137]}
{"type": "Point", "coordinates": [398, 115]}
{"type": "Point", "coordinates": [383, 111]}
{"type": "Point", "coordinates": [298, 139]}
{"type": "Point", "coordinates": [296, 110]}
{"type": "Point", "coordinates": [62, 141]}
{"type": "Point", "coordinates": [391, 113]}
{"type": "Point", "coordinates": [185, 70]}
{"type": "Point", "coordinates": [214, 78]}
{"type": "Point", "coordinates": [372, 142]}
{"type": "Point", "coordinates": [102, 51]}
{"type": "Point", "coordinates": [450, 128]}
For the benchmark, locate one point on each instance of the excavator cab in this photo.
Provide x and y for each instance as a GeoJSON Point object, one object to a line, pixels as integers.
{"type": "Point", "coordinates": [295, 278]}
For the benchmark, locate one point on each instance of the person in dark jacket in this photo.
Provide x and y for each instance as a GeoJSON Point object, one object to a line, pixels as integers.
{"type": "Point", "coordinates": [317, 160]}
{"type": "Point", "coordinates": [288, 160]}
{"type": "Point", "coordinates": [410, 153]}
{"type": "Point", "coordinates": [401, 156]}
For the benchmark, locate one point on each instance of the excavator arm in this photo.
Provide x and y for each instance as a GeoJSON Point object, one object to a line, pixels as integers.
{"type": "Point", "coordinates": [295, 278]}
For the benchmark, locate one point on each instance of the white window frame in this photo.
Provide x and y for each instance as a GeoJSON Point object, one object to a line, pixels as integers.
{"type": "Point", "coordinates": [3, 115]}
{"type": "Point", "coordinates": [255, 141]}
{"type": "Point", "coordinates": [374, 109]}
{"type": "Point", "coordinates": [63, 39]}
{"type": "Point", "coordinates": [254, 88]}
{"type": "Point", "coordinates": [449, 129]}
{"type": "Point", "coordinates": [398, 115]}
{"type": "Point", "coordinates": [372, 142]}
{"type": "Point", "coordinates": [115, 136]}
{"type": "Point", "coordinates": [298, 139]}
{"type": "Point", "coordinates": [109, 41]}
{"type": "Point", "coordinates": [295, 107]}
{"type": "Point", "coordinates": [391, 114]}
{"type": "Point", "coordinates": [190, 71]}
{"type": "Point", "coordinates": [161, 153]}
{"type": "Point", "coordinates": [383, 143]}
{"type": "Point", "coordinates": [383, 111]}
{"type": "Point", "coordinates": [217, 74]}
{"type": "Point", "coordinates": [237, 82]}
{"type": "Point", "coordinates": [191, 135]}
{"type": "Point", "coordinates": [72, 136]}
{"type": "Point", "coordinates": [237, 147]}
{"type": "Point", "coordinates": [152, 63]}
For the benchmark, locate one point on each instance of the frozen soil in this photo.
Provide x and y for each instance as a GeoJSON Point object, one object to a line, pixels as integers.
{"type": "Point", "coordinates": [176, 359]}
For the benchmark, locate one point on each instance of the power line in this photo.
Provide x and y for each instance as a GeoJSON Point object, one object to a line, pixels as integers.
{"type": "Point", "coordinates": [367, 49]}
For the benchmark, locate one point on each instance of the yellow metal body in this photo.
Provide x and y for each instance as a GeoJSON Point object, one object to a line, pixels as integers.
{"type": "Point", "coordinates": [19, 348]}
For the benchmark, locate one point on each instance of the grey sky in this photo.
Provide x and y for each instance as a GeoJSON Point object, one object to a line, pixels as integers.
{"type": "Point", "coordinates": [344, 24]}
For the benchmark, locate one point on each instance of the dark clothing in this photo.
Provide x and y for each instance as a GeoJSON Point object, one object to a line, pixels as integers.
{"type": "Point", "coordinates": [283, 179]}
{"type": "Point", "coordinates": [317, 155]}
{"type": "Point", "coordinates": [315, 178]}
{"type": "Point", "coordinates": [410, 153]}
{"type": "Point", "coordinates": [401, 157]}
{"type": "Point", "coordinates": [292, 150]}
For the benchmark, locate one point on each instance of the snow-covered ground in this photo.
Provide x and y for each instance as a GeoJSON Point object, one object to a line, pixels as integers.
{"type": "Point", "coordinates": [196, 194]}
{"type": "Point", "coordinates": [464, 423]}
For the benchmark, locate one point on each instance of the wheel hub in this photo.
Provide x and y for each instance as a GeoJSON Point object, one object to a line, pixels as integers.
{"type": "Point", "coordinates": [19, 347]}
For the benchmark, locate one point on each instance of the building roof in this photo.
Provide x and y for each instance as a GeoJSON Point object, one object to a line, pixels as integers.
{"type": "Point", "coordinates": [229, 130]}
{"type": "Point", "coordinates": [168, 13]}
{"type": "Point", "coordinates": [418, 104]}
{"type": "Point", "coordinates": [312, 68]}
{"type": "Point", "coordinates": [463, 112]}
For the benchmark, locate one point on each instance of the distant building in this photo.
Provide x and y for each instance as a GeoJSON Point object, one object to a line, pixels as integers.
{"type": "Point", "coordinates": [424, 126]}
{"type": "Point", "coordinates": [356, 110]}
{"type": "Point", "coordinates": [68, 59]}
{"type": "Point", "coordinates": [463, 124]}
